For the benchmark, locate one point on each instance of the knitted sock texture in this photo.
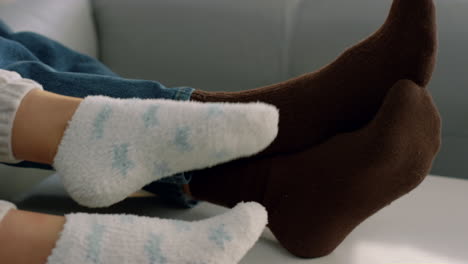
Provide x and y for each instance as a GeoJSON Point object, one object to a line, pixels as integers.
{"type": "Point", "coordinates": [316, 197]}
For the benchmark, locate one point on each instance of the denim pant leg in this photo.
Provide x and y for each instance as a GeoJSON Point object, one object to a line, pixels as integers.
{"type": "Point", "coordinates": [54, 54]}
{"type": "Point", "coordinates": [63, 71]}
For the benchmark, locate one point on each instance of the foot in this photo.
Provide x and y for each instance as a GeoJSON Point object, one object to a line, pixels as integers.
{"type": "Point", "coordinates": [224, 239]}
{"type": "Point", "coordinates": [315, 198]}
{"type": "Point", "coordinates": [114, 147]}
{"type": "Point", "coordinates": [346, 94]}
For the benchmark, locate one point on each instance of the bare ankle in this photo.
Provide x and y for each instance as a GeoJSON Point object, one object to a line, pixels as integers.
{"type": "Point", "coordinates": [40, 122]}
{"type": "Point", "coordinates": [28, 237]}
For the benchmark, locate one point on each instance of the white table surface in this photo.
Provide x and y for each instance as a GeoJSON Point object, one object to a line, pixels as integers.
{"type": "Point", "coordinates": [427, 226]}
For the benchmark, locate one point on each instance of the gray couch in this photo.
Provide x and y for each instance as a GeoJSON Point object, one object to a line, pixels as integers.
{"type": "Point", "coordinates": [241, 44]}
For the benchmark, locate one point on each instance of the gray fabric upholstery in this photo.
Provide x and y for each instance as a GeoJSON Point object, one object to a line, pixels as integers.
{"type": "Point", "coordinates": [67, 21]}
{"type": "Point", "coordinates": [206, 44]}
{"type": "Point", "coordinates": [450, 88]}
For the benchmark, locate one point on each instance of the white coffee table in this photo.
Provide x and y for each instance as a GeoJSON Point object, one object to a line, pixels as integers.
{"type": "Point", "coordinates": [427, 226]}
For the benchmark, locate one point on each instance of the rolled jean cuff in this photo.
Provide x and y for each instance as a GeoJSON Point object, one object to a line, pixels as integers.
{"type": "Point", "coordinates": [183, 93]}
{"type": "Point", "coordinates": [171, 190]}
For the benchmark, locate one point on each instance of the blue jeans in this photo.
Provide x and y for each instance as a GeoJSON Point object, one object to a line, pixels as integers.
{"type": "Point", "coordinates": [63, 71]}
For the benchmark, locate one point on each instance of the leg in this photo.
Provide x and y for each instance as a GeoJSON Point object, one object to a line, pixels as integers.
{"type": "Point", "coordinates": [44, 60]}
{"type": "Point", "coordinates": [346, 94]}
{"type": "Point", "coordinates": [316, 197]}
{"type": "Point", "coordinates": [47, 114]}
{"type": "Point", "coordinates": [27, 237]}
{"type": "Point", "coordinates": [106, 148]}
{"type": "Point", "coordinates": [17, 58]}
{"type": "Point", "coordinates": [32, 238]}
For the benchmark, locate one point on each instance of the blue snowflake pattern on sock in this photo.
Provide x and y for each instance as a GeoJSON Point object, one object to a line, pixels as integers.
{"type": "Point", "coordinates": [94, 243]}
{"type": "Point", "coordinates": [153, 250]}
{"type": "Point", "coordinates": [220, 155]}
{"type": "Point", "coordinates": [161, 169]}
{"type": "Point", "coordinates": [182, 139]}
{"type": "Point", "coordinates": [220, 236]}
{"type": "Point", "coordinates": [149, 117]}
{"type": "Point", "coordinates": [121, 161]}
{"type": "Point", "coordinates": [215, 110]}
{"type": "Point", "coordinates": [100, 120]}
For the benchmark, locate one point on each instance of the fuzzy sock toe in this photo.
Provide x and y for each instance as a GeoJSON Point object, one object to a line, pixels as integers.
{"type": "Point", "coordinates": [316, 197]}
{"type": "Point", "coordinates": [346, 94]}
{"type": "Point", "coordinates": [114, 147]}
{"type": "Point", "coordinates": [110, 239]}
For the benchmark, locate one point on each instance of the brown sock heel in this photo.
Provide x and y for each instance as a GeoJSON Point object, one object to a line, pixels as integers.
{"type": "Point", "coordinates": [346, 94]}
{"type": "Point", "coordinates": [315, 198]}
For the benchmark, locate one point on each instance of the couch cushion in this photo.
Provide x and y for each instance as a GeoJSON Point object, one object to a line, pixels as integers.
{"type": "Point", "coordinates": [70, 22]}
{"type": "Point", "coordinates": [206, 44]}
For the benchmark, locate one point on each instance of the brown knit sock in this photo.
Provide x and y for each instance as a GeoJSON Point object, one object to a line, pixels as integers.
{"type": "Point", "coordinates": [315, 198]}
{"type": "Point", "coordinates": [346, 94]}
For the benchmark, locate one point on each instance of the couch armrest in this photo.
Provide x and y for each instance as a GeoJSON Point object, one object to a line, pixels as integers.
{"type": "Point", "coordinates": [69, 22]}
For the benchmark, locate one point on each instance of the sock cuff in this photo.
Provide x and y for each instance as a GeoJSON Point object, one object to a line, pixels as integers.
{"type": "Point", "coordinates": [73, 229]}
{"type": "Point", "coordinates": [4, 208]}
{"type": "Point", "coordinates": [13, 88]}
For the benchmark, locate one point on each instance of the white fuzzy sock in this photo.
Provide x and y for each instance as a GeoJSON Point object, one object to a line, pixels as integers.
{"type": "Point", "coordinates": [223, 239]}
{"type": "Point", "coordinates": [114, 147]}
{"type": "Point", "coordinates": [4, 208]}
